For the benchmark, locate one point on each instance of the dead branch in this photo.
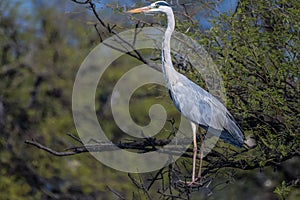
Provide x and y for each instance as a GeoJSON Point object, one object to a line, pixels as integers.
{"type": "Point", "coordinates": [51, 151]}
{"type": "Point", "coordinates": [215, 159]}
{"type": "Point", "coordinates": [142, 146]}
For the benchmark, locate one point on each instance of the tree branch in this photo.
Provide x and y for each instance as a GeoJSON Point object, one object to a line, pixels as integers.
{"type": "Point", "coordinates": [143, 146]}
{"type": "Point", "coordinates": [51, 151]}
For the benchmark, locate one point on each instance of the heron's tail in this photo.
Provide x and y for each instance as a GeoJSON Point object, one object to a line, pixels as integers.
{"type": "Point", "coordinates": [232, 134]}
{"type": "Point", "coordinates": [228, 138]}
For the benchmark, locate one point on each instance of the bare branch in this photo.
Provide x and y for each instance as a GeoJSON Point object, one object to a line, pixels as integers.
{"type": "Point", "coordinates": [47, 149]}
{"type": "Point", "coordinates": [75, 138]}
{"type": "Point", "coordinates": [116, 193]}
{"type": "Point", "coordinates": [143, 146]}
{"type": "Point", "coordinates": [131, 50]}
{"type": "Point", "coordinates": [81, 2]}
{"type": "Point", "coordinates": [140, 185]}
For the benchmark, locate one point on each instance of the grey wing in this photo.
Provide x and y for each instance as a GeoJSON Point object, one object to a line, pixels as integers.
{"type": "Point", "coordinates": [199, 106]}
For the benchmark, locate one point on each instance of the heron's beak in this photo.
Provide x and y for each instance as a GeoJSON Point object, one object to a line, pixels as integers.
{"type": "Point", "coordinates": [142, 9]}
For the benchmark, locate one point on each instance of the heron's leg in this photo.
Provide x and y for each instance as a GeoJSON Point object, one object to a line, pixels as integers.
{"type": "Point", "coordinates": [201, 155]}
{"type": "Point", "coordinates": [194, 128]}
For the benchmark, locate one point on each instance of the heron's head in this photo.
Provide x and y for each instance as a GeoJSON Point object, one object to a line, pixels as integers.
{"type": "Point", "coordinates": [159, 6]}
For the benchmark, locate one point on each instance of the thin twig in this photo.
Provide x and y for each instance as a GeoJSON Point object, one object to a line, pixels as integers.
{"type": "Point", "coordinates": [155, 178]}
{"type": "Point", "coordinates": [139, 185]}
{"type": "Point", "coordinates": [47, 149]}
{"type": "Point", "coordinates": [75, 138]}
{"type": "Point", "coordinates": [116, 193]}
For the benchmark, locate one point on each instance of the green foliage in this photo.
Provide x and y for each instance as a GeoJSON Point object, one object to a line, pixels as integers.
{"type": "Point", "coordinates": [257, 50]}
{"type": "Point", "coordinates": [287, 190]}
{"type": "Point", "coordinates": [283, 190]}
{"type": "Point", "coordinates": [14, 187]}
{"type": "Point", "coordinates": [40, 51]}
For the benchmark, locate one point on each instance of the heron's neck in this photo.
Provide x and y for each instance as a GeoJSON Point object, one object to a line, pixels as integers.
{"type": "Point", "coordinates": [167, 66]}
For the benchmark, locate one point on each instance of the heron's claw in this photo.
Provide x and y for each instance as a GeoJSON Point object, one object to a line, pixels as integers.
{"type": "Point", "coordinates": [198, 182]}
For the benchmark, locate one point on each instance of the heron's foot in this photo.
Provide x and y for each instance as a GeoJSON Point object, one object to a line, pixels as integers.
{"type": "Point", "coordinates": [198, 182]}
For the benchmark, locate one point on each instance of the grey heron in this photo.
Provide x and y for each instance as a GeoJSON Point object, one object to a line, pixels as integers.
{"type": "Point", "coordinates": [196, 104]}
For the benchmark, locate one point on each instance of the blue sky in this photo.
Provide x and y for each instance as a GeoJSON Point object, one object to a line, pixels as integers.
{"type": "Point", "coordinates": [204, 16]}
{"type": "Point", "coordinates": [221, 7]}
